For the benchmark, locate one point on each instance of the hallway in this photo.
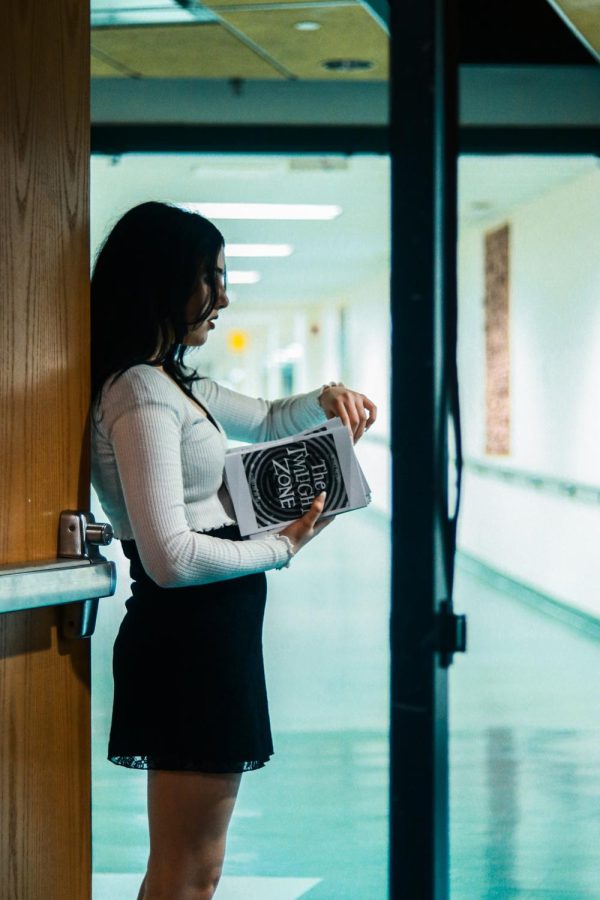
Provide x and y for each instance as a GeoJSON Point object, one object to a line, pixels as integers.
{"type": "Point", "coordinates": [525, 731]}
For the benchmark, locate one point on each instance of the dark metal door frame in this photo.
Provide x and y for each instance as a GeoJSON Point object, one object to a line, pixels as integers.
{"type": "Point", "coordinates": [424, 142]}
{"type": "Point", "coordinates": [484, 140]}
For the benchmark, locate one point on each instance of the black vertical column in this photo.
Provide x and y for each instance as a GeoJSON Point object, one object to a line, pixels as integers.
{"type": "Point", "coordinates": [423, 148]}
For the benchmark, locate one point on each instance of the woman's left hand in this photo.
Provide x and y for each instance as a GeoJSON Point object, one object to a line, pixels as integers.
{"type": "Point", "coordinates": [355, 410]}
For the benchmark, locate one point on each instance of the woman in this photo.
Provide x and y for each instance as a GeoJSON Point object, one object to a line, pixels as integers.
{"type": "Point", "coordinates": [190, 703]}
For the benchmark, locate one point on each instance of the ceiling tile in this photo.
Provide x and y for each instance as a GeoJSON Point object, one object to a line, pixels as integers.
{"type": "Point", "coordinates": [303, 5]}
{"type": "Point", "coordinates": [178, 51]}
{"type": "Point", "coordinates": [584, 17]}
{"type": "Point", "coordinates": [101, 67]}
{"type": "Point", "coordinates": [346, 33]}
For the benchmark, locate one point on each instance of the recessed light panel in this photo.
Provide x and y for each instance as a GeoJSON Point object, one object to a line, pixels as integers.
{"type": "Point", "coordinates": [242, 277]}
{"type": "Point", "coordinates": [263, 250]}
{"type": "Point", "coordinates": [307, 26]}
{"type": "Point", "coordinates": [348, 65]}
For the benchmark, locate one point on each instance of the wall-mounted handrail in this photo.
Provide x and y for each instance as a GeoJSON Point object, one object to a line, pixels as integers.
{"type": "Point", "coordinates": [563, 487]}
{"type": "Point", "coordinates": [573, 490]}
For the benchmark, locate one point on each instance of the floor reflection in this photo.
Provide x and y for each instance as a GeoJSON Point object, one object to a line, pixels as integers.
{"type": "Point", "coordinates": [501, 775]}
{"type": "Point", "coordinates": [525, 759]}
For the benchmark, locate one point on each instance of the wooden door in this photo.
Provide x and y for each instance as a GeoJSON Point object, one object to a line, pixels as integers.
{"type": "Point", "coordinates": [44, 458]}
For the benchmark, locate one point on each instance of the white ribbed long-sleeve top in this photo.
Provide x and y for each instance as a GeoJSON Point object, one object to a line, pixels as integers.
{"type": "Point", "coordinates": [157, 467]}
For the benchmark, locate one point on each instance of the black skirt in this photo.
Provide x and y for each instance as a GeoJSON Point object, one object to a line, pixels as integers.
{"type": "Point", "coordinates": [189, 682]}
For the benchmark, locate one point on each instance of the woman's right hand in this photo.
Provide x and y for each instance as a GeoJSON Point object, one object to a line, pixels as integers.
{"type": "Point", "coordinates": [302, 530]}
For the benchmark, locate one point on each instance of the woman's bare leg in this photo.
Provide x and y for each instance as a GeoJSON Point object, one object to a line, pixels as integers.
{"type": "Point", "coordinates": [188, 813]}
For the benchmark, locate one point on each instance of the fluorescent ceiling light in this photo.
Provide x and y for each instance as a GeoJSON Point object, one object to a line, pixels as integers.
{"type": "Point", "coordinates": [146, 12]}
{"type": "Point", "coordinates": [314, 211]}
{"type": "Point", "coordinates": [242, 277]}
{"type": "Point", "coordinates": [232, 250]}
{"type": "Point", "coordinates": [288, 354]}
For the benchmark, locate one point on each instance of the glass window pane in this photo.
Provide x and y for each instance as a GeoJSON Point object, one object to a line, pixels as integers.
{"type": "Point", "coordinates": [315, 818]}
{"type": "Point", "coordinates": [524, 711]}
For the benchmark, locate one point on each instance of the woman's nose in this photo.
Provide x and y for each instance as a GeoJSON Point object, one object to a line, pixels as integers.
{"type": "Point", "coordinates": [223, 298]}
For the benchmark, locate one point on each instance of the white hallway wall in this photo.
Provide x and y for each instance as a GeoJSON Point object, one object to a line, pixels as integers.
{"type": "Point", "coordinates": [368, 369]}
{"type": "Point", "coordinates": [545, 540]}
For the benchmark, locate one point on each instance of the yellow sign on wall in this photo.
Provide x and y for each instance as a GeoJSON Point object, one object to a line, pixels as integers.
{"type": "Point", "coordinates": [237, 341]}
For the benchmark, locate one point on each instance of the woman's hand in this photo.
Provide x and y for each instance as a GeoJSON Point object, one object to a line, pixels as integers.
{"type": "Point", "coordinates": [355, 410]}
{"type": "Point", "coordinates": [302, 530]}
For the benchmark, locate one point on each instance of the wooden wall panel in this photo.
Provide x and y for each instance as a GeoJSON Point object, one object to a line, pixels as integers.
{"type": "Point", "coordinates": [44, 457]}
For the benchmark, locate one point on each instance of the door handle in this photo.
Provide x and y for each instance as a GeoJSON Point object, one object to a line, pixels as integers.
{"type": "Point", "coordinates": [450, 633]}
{"type": "Point", "coordinates": [75, 579]}
{"type": "Point", "coordinates": [79, 537]}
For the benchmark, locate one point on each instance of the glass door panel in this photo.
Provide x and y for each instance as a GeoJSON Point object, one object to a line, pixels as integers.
{"type": "Point", "coordinates": [314, 820]}
{"type": "Point", "coordinates": [524, 709]}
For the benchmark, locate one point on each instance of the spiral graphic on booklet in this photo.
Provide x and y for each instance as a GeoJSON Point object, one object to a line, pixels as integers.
{"type": "Point", "coordinates": [284, 479]}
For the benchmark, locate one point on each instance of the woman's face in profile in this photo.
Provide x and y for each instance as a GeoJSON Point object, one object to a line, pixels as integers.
{"type": "Point", "coordinates": [200, 300]}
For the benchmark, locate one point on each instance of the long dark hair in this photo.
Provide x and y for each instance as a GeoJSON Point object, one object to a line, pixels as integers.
{"type": "Point", "coordinates": [145, 273]}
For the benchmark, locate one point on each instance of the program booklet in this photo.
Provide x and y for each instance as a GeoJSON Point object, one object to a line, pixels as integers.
{"type": "Point", "coordinates": [275, 482]}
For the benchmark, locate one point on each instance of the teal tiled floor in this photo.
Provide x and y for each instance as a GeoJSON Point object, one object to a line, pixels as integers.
{"type": "Point", "coordinates": [525, 731]}
{"type": "Point", "coordinates": [525, 757]}
{"type": "Point", "coordinates": [316, 810]}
